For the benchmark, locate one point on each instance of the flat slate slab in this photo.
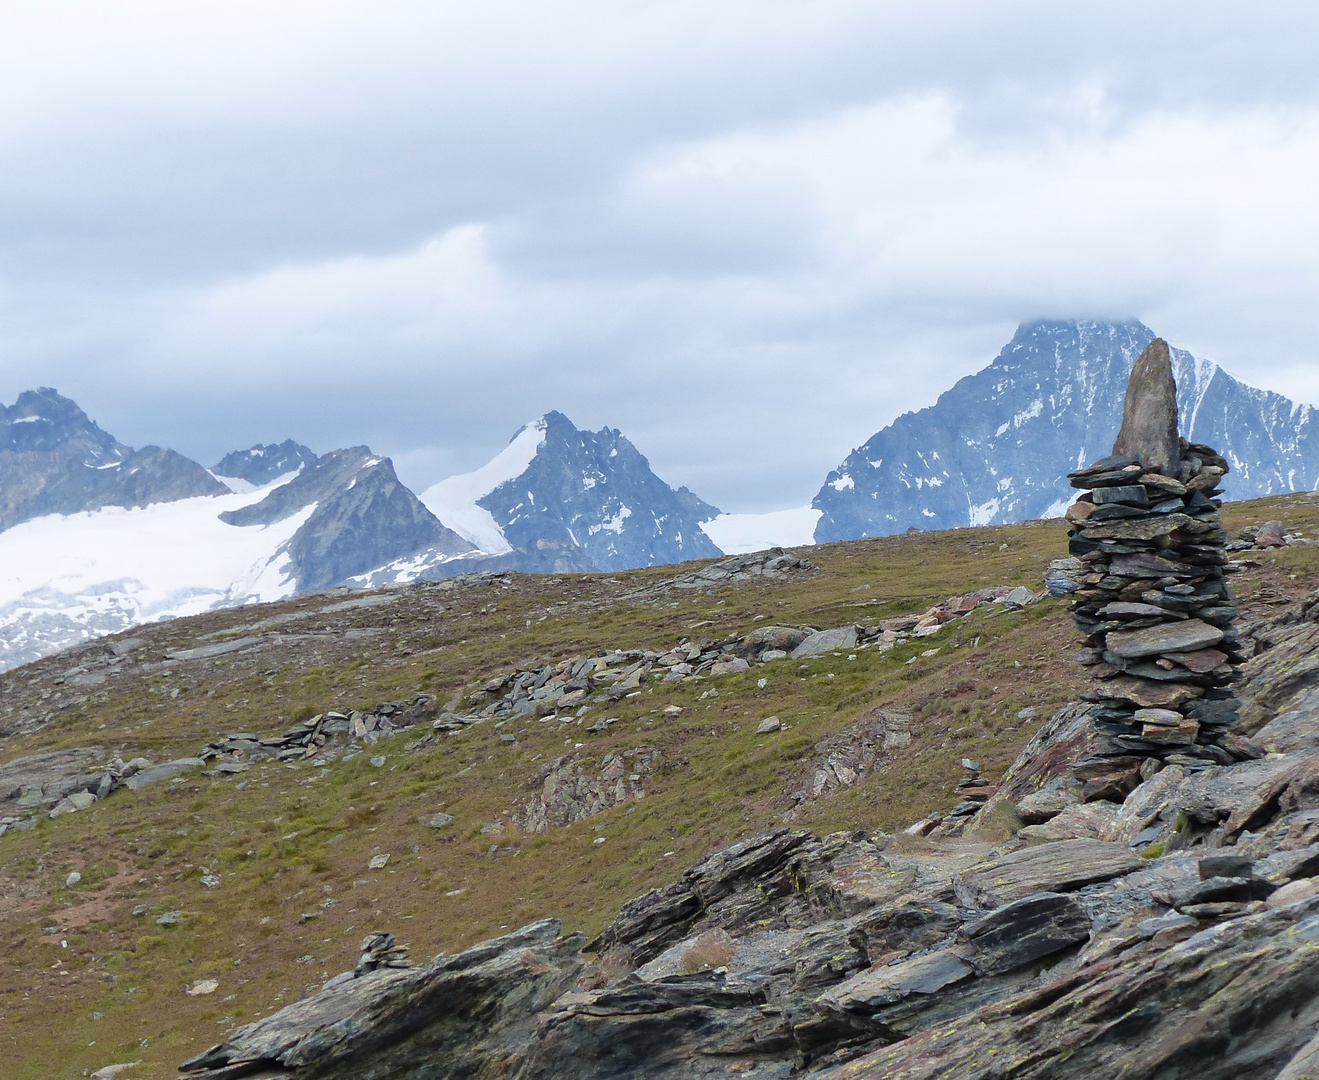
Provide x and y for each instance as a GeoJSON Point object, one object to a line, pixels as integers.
{"type": "Point", "coordinates": [1024, 931]}
{"type": "Point", "coordinates": [870, 990]}
{"type": "Point", "coordinates": [1057, 867]}
{"type": "Point", "coordinates": [163, 772]}
{"type": "Point", "coordinates": [1175, 637]}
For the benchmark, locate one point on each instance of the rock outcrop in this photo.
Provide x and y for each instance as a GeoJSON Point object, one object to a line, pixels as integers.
{"type": "Point", "coordinates": [790, 954]}
{"type": "Point", "coordinates": [465, 1015]}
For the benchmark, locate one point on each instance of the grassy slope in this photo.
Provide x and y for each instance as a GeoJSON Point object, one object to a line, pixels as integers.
{"type": "Point", "coordinates": [292, 838]}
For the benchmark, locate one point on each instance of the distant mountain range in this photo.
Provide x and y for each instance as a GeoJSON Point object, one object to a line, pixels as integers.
{"type": "Point", "coordinates": [96, 536]}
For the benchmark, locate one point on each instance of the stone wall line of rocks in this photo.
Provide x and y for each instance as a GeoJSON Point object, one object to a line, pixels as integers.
{"type": "Point", "coordinates": [58, 784]}
{"type": "Point", "coordinates": [67, 781]}
{"type": "Point", "coordinates": [530, 690]}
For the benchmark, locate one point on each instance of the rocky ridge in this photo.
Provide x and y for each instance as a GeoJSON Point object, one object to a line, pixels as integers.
{"type": "Point", "coordinates": [559, 499]}
{"type": "Point", "coordinates": [55, 460]}
{"type": "Point", "coordinates": [361, 516]}
{"type": "Point", "coordinates": [540, 691]}
{"type": "Point", "coordinates": [261, 464]}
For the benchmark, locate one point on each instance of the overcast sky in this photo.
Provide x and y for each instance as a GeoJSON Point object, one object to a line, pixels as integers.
{"type": "Point", "coordinates": [749, 234]}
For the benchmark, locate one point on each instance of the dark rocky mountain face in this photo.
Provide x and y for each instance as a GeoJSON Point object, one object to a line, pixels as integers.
{"type": "Point", "coordinates": [55, 460]}
{"type": "Point", "coordinates": [363, 518]}
{"type": "Point", "coordinates": [589, 501]}
{"type": "Point", "coordinates": [263, 463]}
{"type": "Point", "coordinates": [988, 450]}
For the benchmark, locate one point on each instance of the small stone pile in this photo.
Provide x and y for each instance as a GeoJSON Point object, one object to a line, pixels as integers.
{"type": "Point", "coordinates": [1147, 579]}
{"type": "Point", "coordinates": [973, 791]}
{"type": "Point", "coordinates": [380, 950]}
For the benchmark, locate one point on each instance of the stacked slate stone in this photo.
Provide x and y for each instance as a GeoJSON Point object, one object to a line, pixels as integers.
{"type": "Point", "coordinates": [380, 950]}
{"type": "Point", "coordinates": [1151, 597]}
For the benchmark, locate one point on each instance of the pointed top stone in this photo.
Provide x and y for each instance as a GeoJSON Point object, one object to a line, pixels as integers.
{"type": "Point", "coordinates": [1149, 415]}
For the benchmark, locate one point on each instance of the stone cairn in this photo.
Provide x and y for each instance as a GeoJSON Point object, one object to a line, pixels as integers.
{"type": "Point", "coordinates": [1149, 594]}
{"type": "Point", "coordinates": [380, 950]}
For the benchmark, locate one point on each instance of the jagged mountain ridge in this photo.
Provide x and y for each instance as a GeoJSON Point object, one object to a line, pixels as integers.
{"type": "Point", "coordinates": [96, 537]}
{"type": "Point", "coordinates": [560, 499]}
{"type": "Point", "coordinates": [361, 517]}
{"type": "Point", "coordinates": [988, 451]}
{"type": "Point", "coordinates": [55, 460]}
{"type": "Point", "coordinates": [595, 491]}
{"type": "Point", "coordinates": [261, 464]}
{"type": "Point", "coordinates": [183, 540]}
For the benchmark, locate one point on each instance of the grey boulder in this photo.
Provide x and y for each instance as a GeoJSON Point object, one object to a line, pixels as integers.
{"type": "Point", "coordinates": [826, 641]}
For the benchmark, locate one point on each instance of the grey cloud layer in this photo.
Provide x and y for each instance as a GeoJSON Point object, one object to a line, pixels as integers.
{"type": "Point", "coordinates": [748, 233]}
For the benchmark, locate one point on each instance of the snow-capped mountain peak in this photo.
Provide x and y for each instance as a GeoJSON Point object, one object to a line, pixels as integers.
{"type": "Point", "coordinates": [558, 498]}
{"type": "Point", "coordinates": [456, 501]}
{"type": "Point", "coordinates": [260, 465]}
{"type": "Point", "coordinates": [55, 460]}
{"type": "Point", "coordinates": [994, 447]}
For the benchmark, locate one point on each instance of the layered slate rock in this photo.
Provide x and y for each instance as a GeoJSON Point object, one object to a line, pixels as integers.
{"type": "Point", "coordinates": [457, 1016]}
{"type": "Point", "coordinates": [1146, 575]}
{"type": "Point", "coordinates": [1059, 867]}
{"type": "Point", "coordinates": [1236, 1001]}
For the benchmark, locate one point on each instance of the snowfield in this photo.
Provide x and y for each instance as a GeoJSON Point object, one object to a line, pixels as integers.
{"type": "Point", "coordinates": [72, 578]}
{"type": "Point", "coordinates": [738, 534]}
{"type": "Point", "coordinates": [453, 501]}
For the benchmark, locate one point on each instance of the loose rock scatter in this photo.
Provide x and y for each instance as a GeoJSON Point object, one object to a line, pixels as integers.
{"type": "Point", "coordinates": [531, 690]}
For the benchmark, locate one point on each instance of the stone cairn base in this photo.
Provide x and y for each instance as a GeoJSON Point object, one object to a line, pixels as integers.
{"type": "Point", "coordinates": [1150, 596]}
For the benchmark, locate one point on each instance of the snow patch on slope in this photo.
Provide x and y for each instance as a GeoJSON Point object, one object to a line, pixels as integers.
{"type": "Point", "coordinates": [454, 501]}
{"type": "Point", "coordinates": [71, 578]}
{"type": "Point", "coordinates": [738, 534]}
{"type": "Point", "coordinates": [239, 486]}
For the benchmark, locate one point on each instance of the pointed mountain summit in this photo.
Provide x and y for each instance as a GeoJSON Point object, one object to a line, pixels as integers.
{"type": "Point", "coordinates": [988, 450]}
{"type": "Point", "coordinates": [358, 517]}
{"type": "Point", "coordinates": [259, 465]}
{"type": "Point", "coordinates": [55, 460]}
{"type": "Point", "coordinates": [558, 498]}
